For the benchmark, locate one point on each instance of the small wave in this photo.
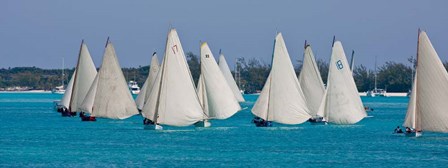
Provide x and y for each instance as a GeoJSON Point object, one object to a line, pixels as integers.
{"type": "Point", "coordinates": [347, 126]}
{"type": "Point", "coordinates": [215, 128]}
{"type": "Point", "coordinates": [168, 131]}
{"type": "Point", "coordinates": [283, 128]}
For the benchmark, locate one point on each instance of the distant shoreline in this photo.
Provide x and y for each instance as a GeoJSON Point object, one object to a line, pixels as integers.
{"type": "Point", "coordinates": [389, 94]}
{"type": "Point", "coordinates": [27, 91]}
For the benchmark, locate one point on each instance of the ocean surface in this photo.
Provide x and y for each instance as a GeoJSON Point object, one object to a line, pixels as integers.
{"type": "Point", "coordinates": [32, 134]}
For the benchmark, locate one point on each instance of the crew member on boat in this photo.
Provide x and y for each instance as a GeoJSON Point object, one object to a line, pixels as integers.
{"type": "Point", "coordinates": [408, 130]}
{"type": "Point", "coordinates": [398, 130]}
{"type": "Point", "coordinates": [316, 120]}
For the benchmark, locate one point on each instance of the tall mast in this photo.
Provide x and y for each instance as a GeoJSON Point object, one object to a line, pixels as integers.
{"type": "Point", "coordinates": [76, 75]}
{"type": "Point", "coordinates": [304, 50]}
{"type": "Point", "coordinates": [417, 111]}
{"type": "Point", "coordinates": [63, 75]}
{"type": "Point", "coordinates": [352, 61]}
{"type": "Point", "coordinates": [412, 69]}
{"type": "Point", "coordinates": [237, 73]}
{"type": "Point", "coordinates": [376, 73]}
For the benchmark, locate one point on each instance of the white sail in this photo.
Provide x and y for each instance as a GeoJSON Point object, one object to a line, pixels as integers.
{"type": "Point", "coordinates": [112, 98]}
{"type": "Point", "coordinates": [84, 76]}
{"type": "Point", "coordinates": [146, 88]}
{"type": "Point", "coordinates": [341, 104]}
{"type": "Point", "coordinates": [221, 101]}
{"type": "Point", "coordinates": [431, 90]}
{"type": "Point", "coordinates": [65, 101]}
{"type": "Point", "coordinates": [173, 99]}
{"type": "Point", "coordinates": [281, 99]}
{"type": "Point", "coordinates": [229, 78]}
{"type": "Point", "coordinates": [321, 110]}
{"type": "Point", "coordinates": [410, 120]}
{"type": "Point", "coordinates": [202, 94]}
{"type": "Point", "coordinates": [311, 82]}
{"type": "Point", "coordinates": [87, 103]}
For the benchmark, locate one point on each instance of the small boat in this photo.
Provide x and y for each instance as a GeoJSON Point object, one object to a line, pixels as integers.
{"type": "Point", "coordinates": [376, 92]}
{"type": "Point", "coordinates": [215, 95]}
{"type": "Point", "coordinates": [144, 92]}
{"type": "Point", "coordinates": [108, 96]}
{"type": "Point", "coordinates": [133, 87]}
{"type": "Point", "coordinates": [427, 104]}
{"type": "Point", "coordinates": [173, 99]}
{"type": "Point", "coordinates": [58, 90]}
{"type": "Point", "coordinates": [341, 103]}
{"type": "Point", "coordinates": [312, 85]}
{"type": "Point", "coordinates": [281, 99]}
{"type": "Point", "coordinates": [228, 76]}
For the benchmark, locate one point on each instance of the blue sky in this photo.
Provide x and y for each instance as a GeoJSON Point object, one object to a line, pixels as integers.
{"type": "Point", "coordinates": [40, 33]}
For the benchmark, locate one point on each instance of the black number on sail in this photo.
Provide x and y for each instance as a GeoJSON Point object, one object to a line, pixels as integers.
{"type": "Point", "coordinates": [339, 64]}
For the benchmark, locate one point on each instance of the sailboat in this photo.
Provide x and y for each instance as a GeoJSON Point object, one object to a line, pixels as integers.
{"type": "Point", "coordinates": [341, 103]}
{"type": "Point", "coordinates": [427, 105]}
{"type": "Point", "coordinates": [83, 77]}
{"type": "Point", "coordinates": [108, 96]}
{"type": "Point", "coordinates": [60, 89]}
{"type": "Point", "coordinates": [215, 95]}
{"type": "Point", "coordinates": [281, 99]}
{"type": "Point", "coordinates": [146, 88]}
{"type": "Point", "coordinates": [228, 76]}
{"type": "Point", "coordinates": [376, 92]}
{"type": "Point", "coordinates": [64, 104]}
{"type": "Point", "coordinates": [79, 83]}
{"type": "Point", "coordinates": [311, 82]}
{"type": "Point", "coordinates": [173, 99]}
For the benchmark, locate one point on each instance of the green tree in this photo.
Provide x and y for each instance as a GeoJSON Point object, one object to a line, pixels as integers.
{"type": "Point", "coordinates": [363, 77]}
{"type": "Point", "coordinates": [298, 67]}
{"type": "Point", "coordinates": [323, 69]}
{"type": "Point", "coordinates": [253, 75]}
{"type": "Point", "coordinates": [195, 66]}
{"type": "Point", "coordinates": [395, 77]}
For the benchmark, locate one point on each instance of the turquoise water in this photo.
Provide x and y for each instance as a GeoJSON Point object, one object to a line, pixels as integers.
{"type": "Point", "coordinates": [33, 134]}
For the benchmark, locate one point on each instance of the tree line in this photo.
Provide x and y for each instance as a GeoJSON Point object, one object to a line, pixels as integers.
{"type": "Point", "coordinates": [392, 76]}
